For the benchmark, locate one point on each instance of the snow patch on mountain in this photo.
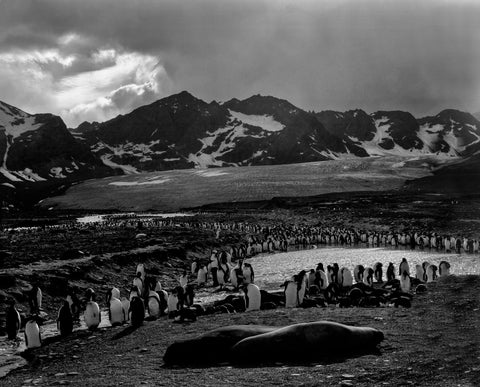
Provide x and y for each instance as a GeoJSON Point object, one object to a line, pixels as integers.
{"type": "Point", "coordinates": [16, 121]}
{"type": "Point", "coordinates": [57, 173]}
{"type": "Point", "coordinates": [205, 157]}
{"type": "Point", "coordinates": [127, 169]}
{"type": "Point", "coordinates": [265, 122]}
{"type": "Point", "coordinates": [29, 175]}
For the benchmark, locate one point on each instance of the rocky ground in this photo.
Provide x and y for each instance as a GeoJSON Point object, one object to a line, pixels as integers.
{"type": "Point", "coordinates": [434, 343]}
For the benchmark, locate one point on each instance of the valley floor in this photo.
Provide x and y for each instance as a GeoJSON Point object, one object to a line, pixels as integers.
{"type": "Point", "coordinates": [436, 342]}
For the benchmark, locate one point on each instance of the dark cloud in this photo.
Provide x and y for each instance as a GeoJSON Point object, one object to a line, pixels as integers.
{"type": "Point", "coordinates": [410, 55]}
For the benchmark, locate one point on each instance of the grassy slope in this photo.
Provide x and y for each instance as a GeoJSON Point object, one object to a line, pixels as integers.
{"type": "Point", "coordinates": [191, 188]}
{"type": "Point", "coordinates": [435, 343]}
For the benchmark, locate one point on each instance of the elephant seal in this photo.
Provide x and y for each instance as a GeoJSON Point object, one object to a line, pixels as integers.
{"type": "Point", "coordinates": [322, 340]}
{"type": "Point", "coordinates": [212, 347]}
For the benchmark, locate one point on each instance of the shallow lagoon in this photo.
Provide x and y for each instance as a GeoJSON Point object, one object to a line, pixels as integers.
{"type": "Point", "coordinates": [271, 270]}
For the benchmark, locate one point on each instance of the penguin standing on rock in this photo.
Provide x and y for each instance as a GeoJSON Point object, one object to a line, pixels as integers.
{"type": "Point", "coordinates": [13, 322]}
{"type": "Point", "coordinates": [65, 320]}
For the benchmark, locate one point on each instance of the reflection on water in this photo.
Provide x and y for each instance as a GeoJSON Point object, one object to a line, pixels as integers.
{"type": "Point", "coordinates": [272, 270]}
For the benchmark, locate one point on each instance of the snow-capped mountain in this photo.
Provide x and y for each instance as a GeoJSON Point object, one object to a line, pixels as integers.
{"type": "Point", "coordinates": [40, 149]}
{"type": "Point", "coordinates": [182, 131]}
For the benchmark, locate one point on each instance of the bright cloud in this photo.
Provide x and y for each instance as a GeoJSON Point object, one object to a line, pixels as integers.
{"type": "Point", "coordinates": [96, 85]}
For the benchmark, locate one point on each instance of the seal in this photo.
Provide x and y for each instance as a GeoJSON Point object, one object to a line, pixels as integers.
{"type": "Point", "coordinates": [321, 340]}
{"type": "Point", "coordinates": [212, 347]}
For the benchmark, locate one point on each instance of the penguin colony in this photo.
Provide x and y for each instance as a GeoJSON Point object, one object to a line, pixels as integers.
{"type": "Point", "coordinates": [280, 237]}
{"type": "Point", "coordinates": [147, 299]}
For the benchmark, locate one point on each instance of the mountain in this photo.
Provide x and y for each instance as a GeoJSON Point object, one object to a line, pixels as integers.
{"type": "Point", "coordinates": [182, 131]}
{"type": "Point", "coordinates": [39, 149]}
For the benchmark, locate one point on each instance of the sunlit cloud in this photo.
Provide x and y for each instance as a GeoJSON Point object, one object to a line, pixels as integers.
{"type": "Point", "coordinates": [96, 85]}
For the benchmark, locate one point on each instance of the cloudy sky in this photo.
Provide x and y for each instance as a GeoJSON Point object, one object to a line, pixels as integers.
{"type": "Point", "coordinates": [94, 59]}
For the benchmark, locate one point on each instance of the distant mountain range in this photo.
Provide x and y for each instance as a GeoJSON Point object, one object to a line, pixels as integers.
{"type": "Point", "coordinates": [182, 131]}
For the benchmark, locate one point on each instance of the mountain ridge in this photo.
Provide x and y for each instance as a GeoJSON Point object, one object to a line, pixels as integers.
{"type": "Point", "coordinates": [182, 131]}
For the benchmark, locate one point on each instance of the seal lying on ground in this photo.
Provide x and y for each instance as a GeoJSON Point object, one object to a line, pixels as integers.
{"type": "Point", "coordinates": [322, 340]}
{"type": "Point", "coordinates": [212, 347]}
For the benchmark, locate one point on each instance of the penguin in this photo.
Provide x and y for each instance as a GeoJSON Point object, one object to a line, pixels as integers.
{"type": "Point", "coordinates": [444, 269]}
{"type": "Point", "coordinates": [13, 322]}
{"type": "Point", "coordinates": [65, 320]}
{"type": "Point", "coordinates": [234, 279]}
{"type": "Point", "coordinates": [183, 279]}
{"type": "Point", "coordinates": [403, 267]}
{"type": "Point", "coordinates": [346, 278]}
{"type": "Point", "coordinates": [137, 311]}
{"type": "Point", "coordinates": [248, 275]}
{"type": "Point", "coordinates": [195, 266]}
{"type": "Point", "coordinates": [358, 273]}
{"type": "Point", "coordinates": [330, 274]}
{"type": "Point", "coordinates": [301, 286]}
{"type": "Point", "coordinates": [92, 315]}
{"type": "Point", "coordinates": [141, 270]}
{"type": "Point", "coordinates": [419, 273]}
{"type": "Point", "coordinates": [202, 276]}
{"type": "Point", "coordinates": [431, 273]}
{"type": "Point", "coordinates": [125, 309]}
{"type": "Point", "coordinates": [172, 304]}
{"type": "Point", "coordinates": [291, 298]}
{"type": "Point", "coordinates": [368, 276]}
{"type": "Point", "coordinates": [252, 297]}
{"type": "Point", "coordinates": [425, 266]}
{"type": "Point", "coordinates": [158, 286]}
{"type": "Point", "coordinates": [390, 272]}
{"type": "Point", "coordinates": [153, 305]}
{"type": "Point", "coordinates": [134, 292]}
{"type": "Point", "coordinates": [115, 308]}
{"type": "Point", "coordinates": [74, 304]}
{"type": "Point", "coordinates": [311, 278]}
{"type": "Point", "coordinates": [35, 299]}
{"type": "Point", "coordinates": [33, 338]}
{"type": "Point", "coordinates": [138, 282]}
{"type": "Point", "coordinates": [114, 292]}
{"type": "Point", "coordinates": [405, 283]}
{"type": "Point", "coordinates": [321, 279]}
{"type": "Point", "coordinates": [189, 295]}
{"type": "Point", "coordinates": [378, 272]}
{"type": "Point", "coordinates": [336, 270]}
{"type": "Point", "coordinates": [420, 289]}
